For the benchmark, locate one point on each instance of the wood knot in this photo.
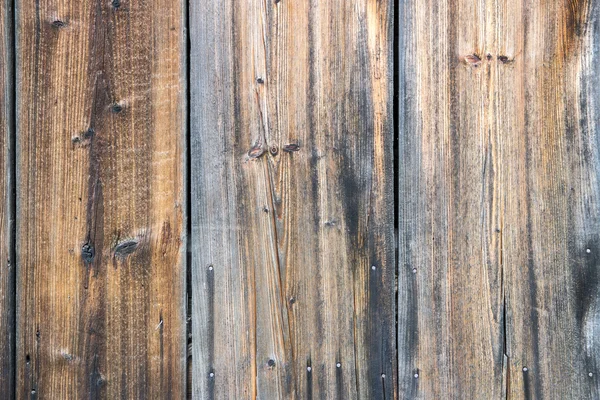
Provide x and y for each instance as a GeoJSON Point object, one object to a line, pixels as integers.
{"type": "Point", "coordinates": [473, 60]}
{"type": "Point", "coordinates": [256, 151]}
{"type": "Point", "coordinates": [125, 248]}
{"type": "Point", "coordinates": [87, 253]}
{"type": "Point", "coordinates": [504, 59]}
{"type": "Point", "coordinates": [116, 108]}
{"type": "Point", "coordinates": [59, 24]}
{"type": "Point", "coordinates": [291, 147]}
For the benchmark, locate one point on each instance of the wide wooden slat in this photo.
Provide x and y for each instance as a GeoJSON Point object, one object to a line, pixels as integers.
{"type": "Point", "coordinates": [548, 98]}
{"type": "Point", "coordinates": [7, 262]}
{"type": "Point", "coordinates": [498, 199]}
{"type": "Point", "coordinates": [292, 199]}
{"type": "Point", "coordinates": [100, 199]}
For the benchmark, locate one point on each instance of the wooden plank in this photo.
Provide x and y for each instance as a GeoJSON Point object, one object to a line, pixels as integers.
{"type": "Point", "coordinates": [552, 219]}
{"type": "Point", "coordinates": [7, 262]}
{"type": "Point", "coordinates": [450, 297]}
{"type": "Point", "coordinates": [100, 201]}
{"type": "Point", "coordinates": [498, 199]}
{"type": "Point", "coordinates": [292, 199]}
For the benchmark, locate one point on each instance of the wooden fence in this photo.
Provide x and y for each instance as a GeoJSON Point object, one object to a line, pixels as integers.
{"type": "Point", "coordinates": [284, 199]}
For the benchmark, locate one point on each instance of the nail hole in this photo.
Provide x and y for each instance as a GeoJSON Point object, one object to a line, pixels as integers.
{"type": "Point", "coordinates": [260, 80]}
{"type": "Point", "coordinates": [271, 363]}
{"type": "Point", "coordinates": [27, 358]}
{"type": "Point", "coordinates": [503, 59]}
{"type": "Point", "coordinates": [274, 150]}
{"type": "Point", "coordinates": [58, 24]}
{"type": "Point", "coordinates": [116, 3]}
{"type": "Point", "coordinates": [292, 300]}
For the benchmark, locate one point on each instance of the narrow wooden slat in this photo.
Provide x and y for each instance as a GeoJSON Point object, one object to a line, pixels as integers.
{"type": "Point", "coordinates": [100, 199]}
{"type": "Point", "coordinates": [7, 262]}
{"type": "Point", "coordinates": [499, 193]}
{"type": "Point", "coordinates": [292, 199]}
{"type": "Point", "coordinates": [450, 294]}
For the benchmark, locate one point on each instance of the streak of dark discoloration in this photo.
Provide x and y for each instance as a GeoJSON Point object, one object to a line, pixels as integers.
{"type": "Point", "coordinates": [533, 323]}
{"type": "Point", "coordinates": [210, 282]}
{"type": "Point", "coordinates": [586, 277]}
{"type": "Point", "coordinates": [309, 380]}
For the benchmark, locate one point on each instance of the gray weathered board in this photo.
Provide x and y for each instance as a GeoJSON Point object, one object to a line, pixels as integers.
{"type": "Point", "coordinates": [7, 262]}
{"type": "Point", "coordinates": [292, 199]}
{"type": "Point", "coordinates": [499, 199]}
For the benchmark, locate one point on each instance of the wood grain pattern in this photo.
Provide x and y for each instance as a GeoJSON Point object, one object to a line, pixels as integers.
{"type": "Point", "coordinates": [498, 199]}
{"type": "Point", "coordinates": [100, 201]}
{"type": "Point", "coordinates": [7, 262]}
{"type": "Point", "coordinates": [292, 199]}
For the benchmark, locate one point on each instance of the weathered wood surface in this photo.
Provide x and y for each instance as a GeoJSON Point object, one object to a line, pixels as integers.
{"type": "Point", "coordinates": [100, 199]}
{"type": "Point", "coordinates": [7, 262]}
{"type": "Point", "coordinates": [499, 225]}
{"type": "Point", "coordinates": [292, 199]}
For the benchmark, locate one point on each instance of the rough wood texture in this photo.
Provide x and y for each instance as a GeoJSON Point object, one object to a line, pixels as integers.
{"type": "Point", "coordinates": [292, 199]}
{"type": "Point", "coordinates": [100, 201]}
{"type": "Point", "coordinates": [7, 262]}
{"type": "Point", "coordinates": [498, 199]}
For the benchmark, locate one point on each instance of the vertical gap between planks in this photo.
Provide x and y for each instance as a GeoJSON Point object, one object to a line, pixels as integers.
{"type": "Point", "coordinates": [12, 193]}
{"type": "Point", "coordinates": [188, 202]}
{"type": "Point", "coordinates": [396, 130]}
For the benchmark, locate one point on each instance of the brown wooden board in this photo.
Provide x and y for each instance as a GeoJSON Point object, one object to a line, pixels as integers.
{"type": "Point", "coordinates": [292, 199]}
{"type": "Point", "coordinates": [498, 199]}
{"type": "Point", "coordinates": [7, 262]}
{"type": "Point", "coordinates": [100, 199]}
